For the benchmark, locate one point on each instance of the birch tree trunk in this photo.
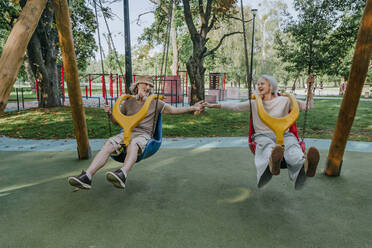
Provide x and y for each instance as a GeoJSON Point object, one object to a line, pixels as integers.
{"type": "Point", "coordinates": [173, 33]}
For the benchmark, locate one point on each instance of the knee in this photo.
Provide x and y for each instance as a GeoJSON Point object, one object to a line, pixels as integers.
{"type": "Point", "coordinates": [133, 147]}
{"type": "Point", "coordinates": [108, 147]}
{"type": "Point", "coordinates": [294, 157]}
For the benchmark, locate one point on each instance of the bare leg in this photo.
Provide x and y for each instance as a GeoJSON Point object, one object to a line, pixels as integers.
{"type": "Point", "coordinates": [131, 157]}
{"type": "Point", "coordinates": [100, 159]}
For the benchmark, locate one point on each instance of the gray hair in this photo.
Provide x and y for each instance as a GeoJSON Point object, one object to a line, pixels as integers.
{"type": "Point", "coordinates": [273, 83]}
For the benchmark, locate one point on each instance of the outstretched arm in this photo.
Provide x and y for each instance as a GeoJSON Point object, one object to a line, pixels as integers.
{"type": "Point", "coordinates": [235, 106]}
{"type": "Point", "coordinates": [168, 109]}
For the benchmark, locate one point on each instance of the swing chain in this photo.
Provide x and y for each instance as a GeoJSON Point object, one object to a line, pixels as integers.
{"type": "Point", "coordinates": [163, 65]}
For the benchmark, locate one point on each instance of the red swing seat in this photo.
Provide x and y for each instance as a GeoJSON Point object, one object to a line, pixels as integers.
{"type": "Point", "coordinates": [252, 144]}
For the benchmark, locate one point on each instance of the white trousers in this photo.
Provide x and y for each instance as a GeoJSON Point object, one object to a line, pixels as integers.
{"type": "Point", "coordinates": [293, 156]}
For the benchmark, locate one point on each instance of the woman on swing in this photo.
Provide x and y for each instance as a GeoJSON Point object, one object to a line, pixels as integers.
{"type": "Point", "coordinates": [269, 155]}
{"type": "Point", "coordinates": [139, 137]}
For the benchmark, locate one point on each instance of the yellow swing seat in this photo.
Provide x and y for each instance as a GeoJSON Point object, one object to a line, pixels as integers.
{"type": "Point", "coordinates": [130, 122]}
{"type": "Point", "coordinates": [278, 125]}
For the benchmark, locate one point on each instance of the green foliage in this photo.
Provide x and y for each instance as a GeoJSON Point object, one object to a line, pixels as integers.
{"type": "Point", "coordinates": [156, 33]}
{"type": "Point", "coordinates": [320, 38]}
{"type": "Point", "coordinates": [83, 28]}
{"type": "Point", "coordinates": [341, 41]}
{"type": "Point", "coordinates": [8, 16]}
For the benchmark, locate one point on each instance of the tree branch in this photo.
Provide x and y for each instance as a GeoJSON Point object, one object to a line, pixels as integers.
{"type": "Point", "coordinates": [139, 16]}
{"type": "Point", "coordinates": [208, 10]}
{"type": "Point", "coordinates": [188, 19]}
{"type": "Point", "coordinates": [237, 18]}
{"type": "Point", "coordinates": [201, 13]}
{"type": "Point", "coordinates": [212, 23]}
{"type": "Point", "coordinates": [220, 43]}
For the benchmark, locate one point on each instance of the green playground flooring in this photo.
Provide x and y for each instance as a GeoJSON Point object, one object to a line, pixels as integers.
{"type": "Point", "coordinates": [182, 198]}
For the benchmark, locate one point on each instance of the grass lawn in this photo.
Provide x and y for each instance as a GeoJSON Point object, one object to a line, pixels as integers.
{"type": "Point", "coordinates": [56, 123]}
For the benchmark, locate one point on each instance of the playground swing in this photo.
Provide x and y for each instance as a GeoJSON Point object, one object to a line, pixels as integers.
{"type": "Point", "coordinates": [129, 122]}
{"type": "Point", "coordinates": [277, 125]}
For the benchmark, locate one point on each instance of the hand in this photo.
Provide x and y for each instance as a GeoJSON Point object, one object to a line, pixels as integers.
{"type": "Point", "coordinates": [208, 105]}
{"type": "Point", "coordinates": [107, 109]}
{"type": "Point", "coordinates": [198, 106]}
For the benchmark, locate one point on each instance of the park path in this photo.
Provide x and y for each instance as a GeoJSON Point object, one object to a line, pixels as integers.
{"type": "Point", "coordinates": [13, 144]}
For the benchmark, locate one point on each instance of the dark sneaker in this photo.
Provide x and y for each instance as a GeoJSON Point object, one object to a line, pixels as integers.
{"type": "Point", "coordinates": [265, 178]}
{"type": "Point", "coordinates": [117, 178]}
{"type": "Point", "coordinates": [301, 179]}
{"type": "Point", "coordinates": [82, 181]}
{"type": "Point", "coordinates": [312, 160]}
{"type": "Point", "coordinates": [276, 159]}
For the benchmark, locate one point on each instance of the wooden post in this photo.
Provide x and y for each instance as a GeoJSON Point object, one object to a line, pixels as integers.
{"type": "Point", "coordinates": [72, 78]}
{"type": "Point", "coordinates": [357, 77]}
{"type": "Point", "coordinates": [15, 47]}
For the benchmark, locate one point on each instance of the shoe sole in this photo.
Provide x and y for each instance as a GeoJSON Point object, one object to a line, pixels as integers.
{"type": "Point", "coordinates": [115, 180]}
{"type": "Point", "coordinates": [276, 159]}
{"type": "Point", "coordinates": [312, 161]}
{"type": "Point", "coordinates": [73, 181]}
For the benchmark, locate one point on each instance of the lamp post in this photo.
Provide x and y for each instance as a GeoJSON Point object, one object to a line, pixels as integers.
{"type": "Point", "coordinates": [128, 54]}
{"type": "Point", "coordinates": [254, 12]}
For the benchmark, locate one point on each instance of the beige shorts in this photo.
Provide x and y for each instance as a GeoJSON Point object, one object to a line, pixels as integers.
{"type": "Point", "coordinates": [139, 139]}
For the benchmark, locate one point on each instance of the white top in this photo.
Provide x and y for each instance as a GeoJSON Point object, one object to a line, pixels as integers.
{"type": "Point", "coordinates": [278, 107]}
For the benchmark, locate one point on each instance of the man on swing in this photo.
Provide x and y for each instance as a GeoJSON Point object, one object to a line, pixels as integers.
{"type": "Point", "coordinates": [269, 155]}
{"type": "Point", "coordinates": [139, 137]}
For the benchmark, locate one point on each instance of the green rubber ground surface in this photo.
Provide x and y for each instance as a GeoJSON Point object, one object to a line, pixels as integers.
{"type": "Point", "coordinates": [182, 198]}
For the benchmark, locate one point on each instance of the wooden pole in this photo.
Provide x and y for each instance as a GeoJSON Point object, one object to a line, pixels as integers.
{"type": "Point", "coordinates": [357, 77]}
{"type": "Point", "coordinates": [72, 78]}
{"type": "Point", "coordinates": [15, 47]}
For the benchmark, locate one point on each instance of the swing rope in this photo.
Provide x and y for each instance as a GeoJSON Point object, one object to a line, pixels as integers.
{"type": "Point", "coordinates": [102, 66]}
{"type": "Point", "coordinates": [246, 64]}
{"type": "Point", "coordinates": [110, 37]}
{"type": "Point", "coordinates": [163, 63]}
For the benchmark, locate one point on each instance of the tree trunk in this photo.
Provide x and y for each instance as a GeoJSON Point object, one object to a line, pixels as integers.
{"type": "Point", "coordinates": [173, 33]}
{"type": "Point", "coordinates": [29, 73]}
{"type": "Point", "coordinates": [349, 105]}
{"type": "Point", "coordinates": [15, 47]}
{"type": "Point", "coordinates": [199, 39]}
{"type": "Point", "coordinates": [196, 72]}
{"type": "Point", "coordinates": [41, 52]}
{"type": "Point", "coordinates": [72, 78]}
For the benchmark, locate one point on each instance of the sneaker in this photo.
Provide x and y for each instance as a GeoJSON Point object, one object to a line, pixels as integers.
{"type": "Point", "coordinates": [82, 181]}
{"type": "Point", "coordinates": [265, 178]}
{"type": "Point", "coordinates": [117, 178]}
{"type": "Point", "coordinates": [276, 159]}
{"type": "Point", "coordinates": [312, 160]}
